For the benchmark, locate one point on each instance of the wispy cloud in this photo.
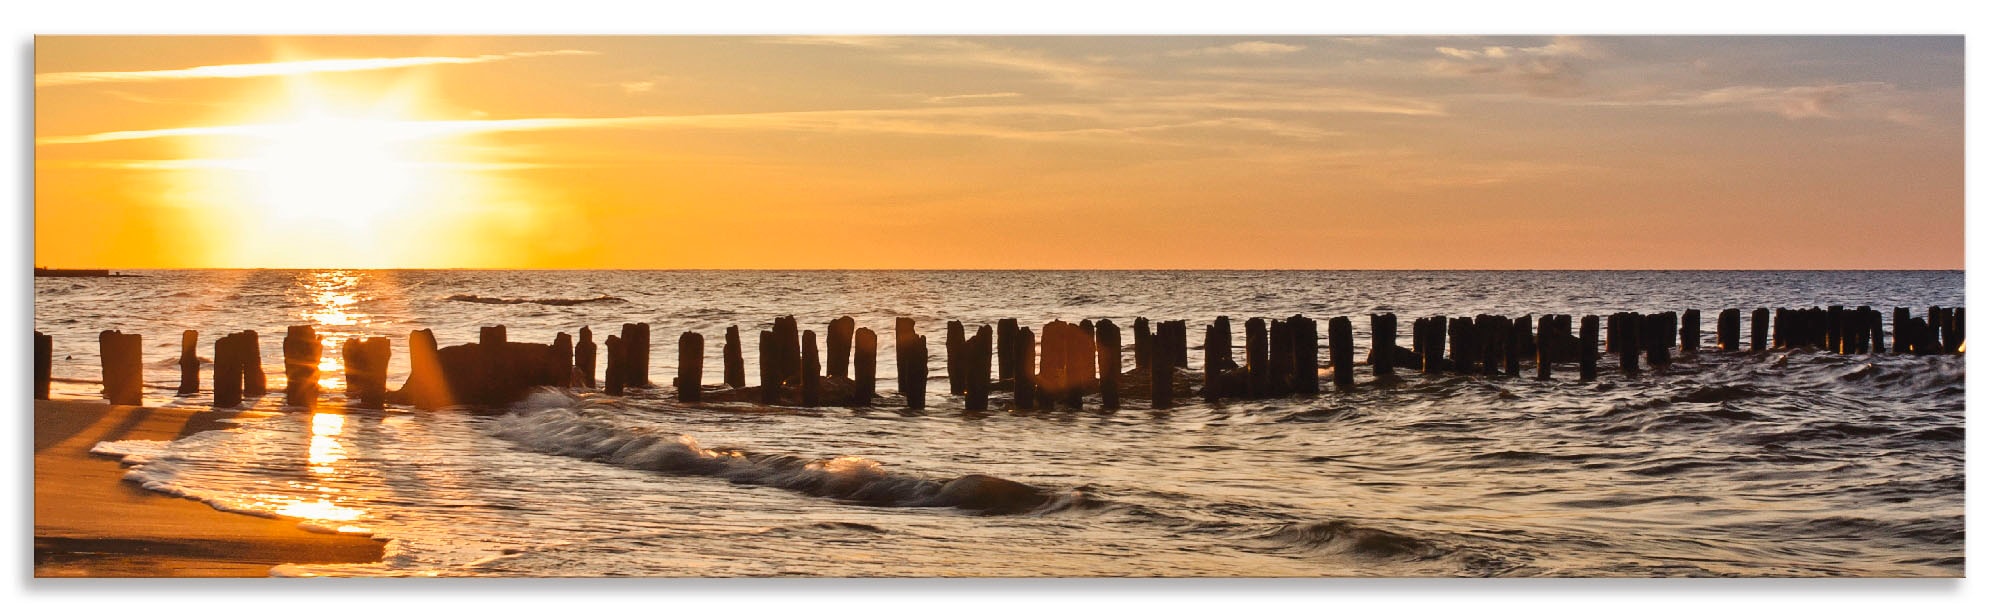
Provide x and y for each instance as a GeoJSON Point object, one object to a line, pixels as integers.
{"type": "Point", "coordinates": [269, 69]}
{"type": "Point", "coordinates": [1553, 69]}
{"type": "Point", "coordinates": [1253, 48]}
{"type": "Point", "coordinates": [965, 53]}
{"type": "Point", "coordinates": [978, 96]}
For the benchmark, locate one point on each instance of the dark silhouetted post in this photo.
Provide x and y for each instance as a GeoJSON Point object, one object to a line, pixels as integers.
{"type": "Point", "coordinates": [1382, 356]}
{"type": "Point", "coordinates": [1729, 330]}
{"type": "Point", "coordinates": [1305, 354]}
{"type": "Point", "coordinates": [637, 339]}
{"type": "Point", "coordinates": [809, 370]}
{"type": "Point", "coordinates": [1004, 344]}
{"type": "Point", "coordinates": [954, 368]}
{"type": "Point", "coordinates": [1162, 364]}
{"type": "Point", "coordinates": [365, 362]}
{"type": "Point", "coordinates": [252, 364]}
{"type": "Point", "coordinates": [839, 339]}
{"type": "Point", "coordinates": [562, 367]}
{"type": "Point", "coordinates": [1024, 369]}
{"type": "Point", "coordinates": [978, 356]}
{"type": "Point", "coordinates": [228, 371]}
{"type": "Point", "coordinates": [1690, 330]}
{"type": "Point", "coordinates": [425, 388]}
{"type": "Point", "coordinates": [1179, 343]}
{"type": "Point", "coordinates": [1283, 365]}
{"type": "Point", "coordinates": [302, 354]}
{"type": "Point", "coordinates": [190, 365]}
{"type": "Point", "coordinates": [732, 358]}
{"type": "Point", "coordinates": [614, 365]}
{"type": "Point", "coordinates": [769, 379]}
{"type": "Point", "coordinates": [785, 354]}
{"type": "Point", "coordinates": [1510, 352]}
{"type": "Point", "coordinates": [1110, 361]}
{"type": "Point", "coordinates": [1586, 360]}
{"type": "Point", "coordinates": [45, 360]}
{"type": "Point", "coordinates": [1544, 346]}
{"type": "Point", "coordinates": [123, 371]}
{"type": "Point", "coordinates": [1257, 353]}
{"type": "Point", "coordinates": [1340, 342]}
{"type": "Point", "coordinates": [687, 382]}
{"type": "Point", "coordinates": [912, 362]}
{"type": "Point", "coordinates": [864, 366]}
{"type": "Point", "coordinates": [1629, 341]}
{"type": "Point", "coordinates": [1760, 326]}
{"type": "Point", "coordinates": [1214, 352]}
{"type": "Point", "coordinates": [1142, 343]}
{"type": "Point", "coordinates": [586, 357]}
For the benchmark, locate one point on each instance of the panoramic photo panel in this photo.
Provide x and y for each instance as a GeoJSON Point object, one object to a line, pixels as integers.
{"type": "Point", "coordinates": [999, 306]}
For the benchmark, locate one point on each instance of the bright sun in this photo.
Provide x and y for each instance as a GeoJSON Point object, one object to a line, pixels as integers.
{"type": "Point", "coordinates": [353, 173]}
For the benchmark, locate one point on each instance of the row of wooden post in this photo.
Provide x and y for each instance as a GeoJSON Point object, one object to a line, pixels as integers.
{"type": "Point", "coordinates": [1074, 358]}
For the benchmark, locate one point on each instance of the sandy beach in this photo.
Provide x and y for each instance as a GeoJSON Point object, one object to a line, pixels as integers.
{"type": "Point", "coordinates": [91, 523]}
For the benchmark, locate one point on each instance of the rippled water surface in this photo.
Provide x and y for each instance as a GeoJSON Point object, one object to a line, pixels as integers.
{"type": "Point", "coordinates": [1775, 464]}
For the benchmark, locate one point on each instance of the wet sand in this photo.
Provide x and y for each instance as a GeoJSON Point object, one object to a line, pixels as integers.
{"type": "Point", "coordinates": [91, 522]}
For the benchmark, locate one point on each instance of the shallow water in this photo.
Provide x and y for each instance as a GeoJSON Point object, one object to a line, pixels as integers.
{"type": "Point", "coordinates": [1786, 463]}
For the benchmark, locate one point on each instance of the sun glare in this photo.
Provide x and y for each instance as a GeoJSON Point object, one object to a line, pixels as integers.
{"type": "Point", "coordinates": [352, 173]}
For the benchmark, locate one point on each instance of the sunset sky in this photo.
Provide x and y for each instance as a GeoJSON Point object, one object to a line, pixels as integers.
{"type": "Point", "coordinates": [982, 152]}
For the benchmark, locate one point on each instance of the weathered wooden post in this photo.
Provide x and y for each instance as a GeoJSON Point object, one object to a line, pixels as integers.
{"type": "Point", "coordinates": [1629, 341]}
{"type": "Point", "coordinates": [228, 371]}
{"type": "Point", "coordinates": [1340, 342]}
{"type": "Point", "coordinates": [954, 368]}
{"type": "Point", "coordinates": [123, 372]}
{"type": "Point", "coordinates": [1510, 352]}
{"type": "Point", "coordinates": [1281, 362]}
{"type": "Point", "coordinates": [1003, 344]}
{"type": "Point", "coordinates": [1690, 330]}
{"type": "Point", "coordinates": [839, 340]}
{"type": "Point", "coordinates": [1257, 352]}
{"type": "Point", "coordinates": [614, 364]}
{"type": "Point", "coordinates": [637, 339]}
{"type": "Point", "coordinates": [252, 365]}
{"type": "Point", "coordinates": [732, 358]}
{"type": "Point", "coordinates": [1432, 354]}
{"type": "Point", "coordinates": [562, 362]}
{"type": "Point", "coordinates": [1142, 343]}
{"type": "Point", "coordinates": [1729, 330]}
{"type": "Point", "coordinates": [1898, 330]}
{"type": "Point", "coordinates": [1305, 353]}
{"type": "Point", "coordinates": [425, 388]}
{"type": "Point", "coordinates": [1382, 329]}
{"type": "Point", "coordinates": [978, 355]}
{"type": "Point", "coordinates": [1586, 360]}
{"type": "Point", "coordinates": [864, 366]}
{"type": "Point", "coordinates": [912, 362]}
{"type": "Point", "coordinates": [1544, 346]}
{"type": "Point", "coordinates": [586, 357]}
{"type": "Point", "coordinates": [1110, 362]}
{"type": "Point", "coordinates": [45, 360]}
{"type": "Point", "coordinates": [1213, 354]}
{"type": "Point", "coordinates": [1162, 363]}
{"type": "Point", "coordinates": [769, 379]}
{"type": "Point", "coordinates": [809, 370]}
{"type": "Point", "coordinates": [1024, 369]}
{"type": "Point", "coordinates": [1465, 345]}
{"type": "Point", "coordinates": [687, 382]}
{"type": "Point", "coordinates": [785, 354]}
{"type": "Point", "coordinates": [1493, 330]}
{"type": "Point", "coordinates": [1875, 330]}
{"type": "Point", "coordinates": [302, 355]}
{"type": "Point", "coordinates": [1760, 326]}
{"type": "Point", "coordinates": [190, 365]}
{"type": "Point", "coordinates": [365, 365]}
{"type": "Point", "coordinates": [1180, 344]}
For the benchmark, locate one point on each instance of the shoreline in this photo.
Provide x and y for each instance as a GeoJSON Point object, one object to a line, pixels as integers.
{"type": "Point", "coordinates": [91, 522]}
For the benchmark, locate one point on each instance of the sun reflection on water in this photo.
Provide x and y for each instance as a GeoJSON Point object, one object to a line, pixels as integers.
{"type": "Point", "coordinates": [325, 449]}
{"type": "Point", "coordinates": [333, 296]}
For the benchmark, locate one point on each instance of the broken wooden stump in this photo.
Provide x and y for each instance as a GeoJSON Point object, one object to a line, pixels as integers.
{"type": "Point", "coordinates": [1760, 327]}
{"type": "Point", "coordinates": [190, 365]}
{"type": "Point", "coordinates": [614, 367]}
{"type": "Point", "coordinates": [978, 355]}
{"type": "Point", "coordinates": [302, 356]}
{"type": "Point", "coordinates": [1690, 330]}
{"type": "Point", "coordinates": [425, 388]}
{"type": "Point", "coordinates": [687, 381]}
{"type": "Point", "coordinates": [1340, 342]}
{"type": "Point", "coordinates": [586, 357]}
{"type": "Point", "coordinates": [1110, 362]}
{"type": "Point", "coordinates": [1024, 369]}
{"type": "Point", "coordinates": [839, 343]}
{"type": "Point", "coordinates": [912, 363]}
{"type": "Point", "coordinates": [1382, 332]}
{"type": "Point", "coordinates": [365, 366]}
{"type": "Point", "coordinates": [1586, 360]}
{"type": "Point", "coordinates": [637, 339]}
{"type": "Point", "coordinates": [954, 339]}
{"type": "Point", "coordinates": [45, 360]}
{"type": "Point", "coordinates": [808, 370]}
{"type": "Point", "coordinates": [1257, 353]}
{"type": "Point", "coordinates": [864, 367]}
{"type": "Point", "coordinates": [732, 358]}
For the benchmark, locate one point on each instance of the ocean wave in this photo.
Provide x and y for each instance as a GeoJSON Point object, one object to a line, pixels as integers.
{"type": "Point", "coordinates": [560, 423]}
{"type": "Point", "coordinates": [543, 301]}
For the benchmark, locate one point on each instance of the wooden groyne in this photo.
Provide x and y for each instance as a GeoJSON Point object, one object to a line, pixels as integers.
{"type": "Point", "coordinates": [1278, 357]}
